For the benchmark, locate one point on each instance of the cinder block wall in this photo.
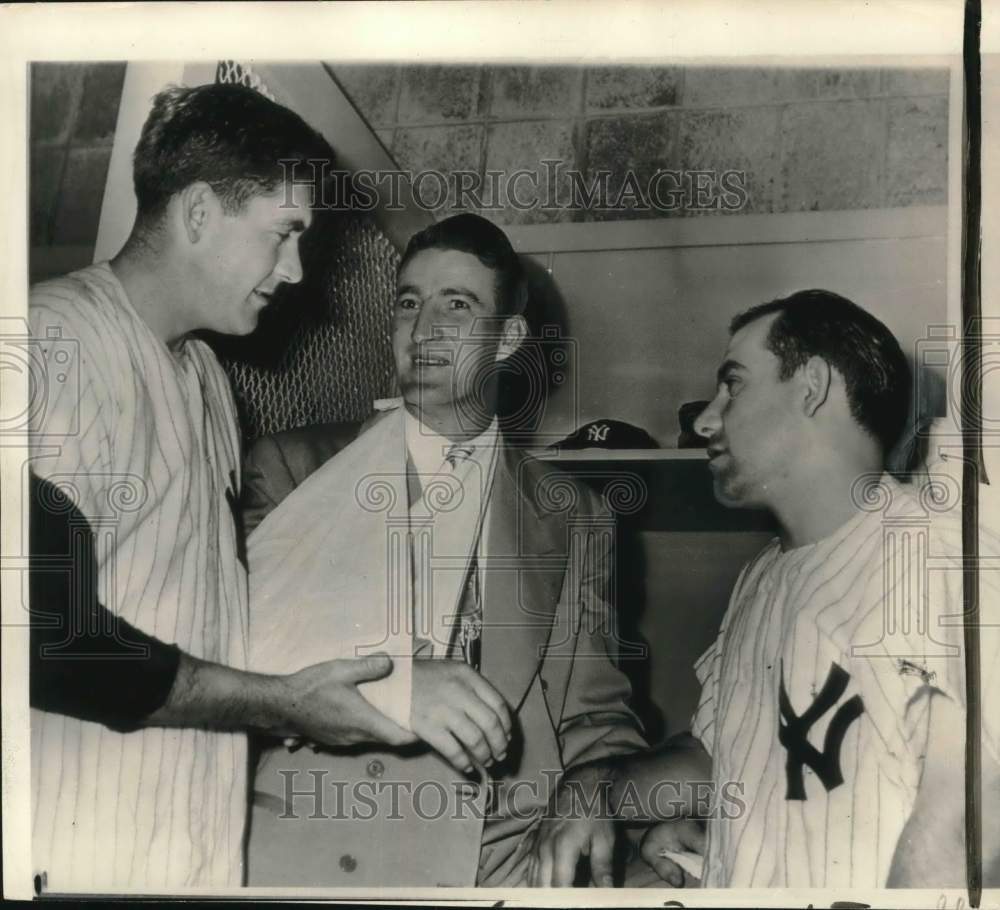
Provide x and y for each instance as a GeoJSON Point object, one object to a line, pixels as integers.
{"type": "Point", "coordinates": [73, 111]}
{"type": "Point", "coordinates": [809, 139]}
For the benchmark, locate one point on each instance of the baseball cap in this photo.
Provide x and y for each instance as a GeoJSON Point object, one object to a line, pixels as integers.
{"type": "Point", "coordinates": [608, 434]}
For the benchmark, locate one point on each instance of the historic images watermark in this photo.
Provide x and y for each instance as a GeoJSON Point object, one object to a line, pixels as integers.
{"type": "Point", "coordinates": [51, 368]}
{"type": "Point", "coordinates": [552, 187]}
{"type": "Point", "coordinates": [316, 794]}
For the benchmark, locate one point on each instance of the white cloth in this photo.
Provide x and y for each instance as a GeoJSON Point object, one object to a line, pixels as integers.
{"type": "Point", "coordinates": [146, 445]}
{"type": "Point", "coordinates": [330, 569]}
{"type": "Point", "coordinates": [363, 557]}
{"type": "Point", "coordinates": [877, 599]}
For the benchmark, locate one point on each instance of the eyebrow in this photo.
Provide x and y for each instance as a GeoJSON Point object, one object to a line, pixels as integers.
{"type": "Point", "coordinates": [294, 224]}
{"type": "Point", "coordinates": [460, 292]}
{"type": "Point", "coordinates": [447, 292]}
{"type": "Point", "coordinates": [728, 365]}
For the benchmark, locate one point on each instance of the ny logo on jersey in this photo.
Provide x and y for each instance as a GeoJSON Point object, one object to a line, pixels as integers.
{"type": "Point", "coordinates": [793, 730]}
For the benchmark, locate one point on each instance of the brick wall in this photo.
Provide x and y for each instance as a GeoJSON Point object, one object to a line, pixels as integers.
{"type": "Point", "coordinates": [808, 139]}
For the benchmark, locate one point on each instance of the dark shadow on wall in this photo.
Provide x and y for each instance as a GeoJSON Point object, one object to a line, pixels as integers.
{"type": "Point", "coordinates": [929, 400]}
{"type": "Point", "coordinates": [530, 375]}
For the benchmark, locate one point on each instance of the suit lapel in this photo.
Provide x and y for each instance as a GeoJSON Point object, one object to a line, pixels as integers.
{"type": "Point", "coordinates": [524, 573]}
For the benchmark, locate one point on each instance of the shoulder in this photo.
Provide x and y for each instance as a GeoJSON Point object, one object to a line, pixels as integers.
{"type": "Point", "coordinates": [275, 465]}
{"type": "Point", "coordinates": [79, 327]}
{"type": "Point", "coordinates": [85, 295]}
{"type": "Point", "coordinates": [83, 310]}
{"type": "Point", "coordinates": [304, 449]}
{"type": "Point", "coordinates": [553, 489]}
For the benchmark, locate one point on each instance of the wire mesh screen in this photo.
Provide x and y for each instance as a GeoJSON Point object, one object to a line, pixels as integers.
{"type": "Point", "coordinates": [232, 71]}
{"type": "Point", "coordinates": [321, 351]}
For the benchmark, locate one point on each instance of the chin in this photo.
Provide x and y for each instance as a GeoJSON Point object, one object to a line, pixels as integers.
{"type": "Point", "coordinates": [414, 389]}
{"type": "Point", "coordinates": [249, 324]}
{"type": "Point", "coordinates": [729, 495]}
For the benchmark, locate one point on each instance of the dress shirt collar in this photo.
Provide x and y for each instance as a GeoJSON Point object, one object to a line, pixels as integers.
{"type": "Point", "coordinates": [427, 449]}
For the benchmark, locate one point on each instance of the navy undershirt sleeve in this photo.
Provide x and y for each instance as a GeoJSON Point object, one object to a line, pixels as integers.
{"type": "Point", "coordinates": [86, 662]}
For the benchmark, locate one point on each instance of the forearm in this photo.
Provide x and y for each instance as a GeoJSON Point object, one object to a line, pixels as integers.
{"type": "Point", "coordinates": [930, 852]}
{"type": "Point", "coordinates": [210, 695]}
{"type": "Point", "coordinates": [671, 782]}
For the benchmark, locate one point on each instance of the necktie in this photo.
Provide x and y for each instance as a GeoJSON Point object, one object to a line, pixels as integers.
{"type": "Point", "coordinates": [470, 626]}
{"type": "Point", "coordinates": [458, 453]}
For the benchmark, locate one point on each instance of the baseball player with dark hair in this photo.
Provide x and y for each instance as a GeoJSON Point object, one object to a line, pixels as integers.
{"type": "Point", "coordinates": [833, 699]}
{"type": "Point", "coordinates": [140, 690]}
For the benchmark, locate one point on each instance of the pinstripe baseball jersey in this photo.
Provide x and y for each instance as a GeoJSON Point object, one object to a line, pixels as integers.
{"type": "Point", "coordinates": [146, 445]}
{"type": "Point", "coordinates": [815, 695]}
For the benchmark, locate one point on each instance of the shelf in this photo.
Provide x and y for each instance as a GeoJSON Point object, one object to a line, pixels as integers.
{"type": "Point", "coordinates": [621, 455]}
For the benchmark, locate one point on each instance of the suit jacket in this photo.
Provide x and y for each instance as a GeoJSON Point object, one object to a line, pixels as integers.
{"type": "Point", "coordinates": [404, 817]}
{"type": "Point", "coordinates": [276, 465]}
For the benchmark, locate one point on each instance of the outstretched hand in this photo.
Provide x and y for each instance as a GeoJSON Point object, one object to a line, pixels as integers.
{"type": "Point", "coordinates": [322, 704]}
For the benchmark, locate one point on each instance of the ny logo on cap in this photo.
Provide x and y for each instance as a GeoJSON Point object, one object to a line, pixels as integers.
{"type": "Point", "coordinates": [598, 432]}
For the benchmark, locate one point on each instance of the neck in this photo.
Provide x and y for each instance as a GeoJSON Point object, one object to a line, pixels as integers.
{"type": "Point", "coordinates": [445, 422]}
{"type": "Point", "coordinates": [823, 499]}
{"type": "Point", "coordinates": [155, 284]}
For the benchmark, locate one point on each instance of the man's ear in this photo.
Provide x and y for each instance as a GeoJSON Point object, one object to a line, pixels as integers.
{"type": "Point", "coordinates": [198, 206]}
{"type": "Point", "coordinates": [816, 379]}
{"type": "Point", "coordinates": [515, 330]}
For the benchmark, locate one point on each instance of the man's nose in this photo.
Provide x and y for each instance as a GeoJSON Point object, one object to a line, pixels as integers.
{"type": "Point", "coordinates": [289, 267]}
{"type": "Point", "coordinates": [424, 324]}
{"type": "Point", "coordinates": [709, 421]}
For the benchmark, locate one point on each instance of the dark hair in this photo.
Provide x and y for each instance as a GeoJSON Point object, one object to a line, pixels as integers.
{"type": "Point", "coordinates": [819, 323]}
{"type": "Point", "coordinates": [229, 136]}
{"type": "Point", "coordinates": [475, 235]}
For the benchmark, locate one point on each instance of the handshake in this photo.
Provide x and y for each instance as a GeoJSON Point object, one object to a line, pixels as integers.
{"type": "Point", "coordinates": [453, 709]}
{"type": "Point", "coordinates": [465, 720]}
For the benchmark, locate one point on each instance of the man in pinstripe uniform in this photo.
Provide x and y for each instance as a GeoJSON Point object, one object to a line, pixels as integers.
{"type": "Point", "coordinates": [148, 788]}
{"type": "Point", "coordinates": [830, 727]}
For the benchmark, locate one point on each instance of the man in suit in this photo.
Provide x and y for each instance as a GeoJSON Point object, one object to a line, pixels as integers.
{"type": "Point", "coordinates": [482, 572]}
